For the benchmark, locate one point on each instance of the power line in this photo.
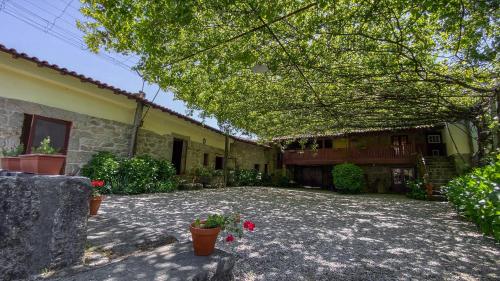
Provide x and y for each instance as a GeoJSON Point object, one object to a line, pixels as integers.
{"type": "Point", "coordinates": [35, 20]}
{"type": "Point", "coordinates": [52, 28]}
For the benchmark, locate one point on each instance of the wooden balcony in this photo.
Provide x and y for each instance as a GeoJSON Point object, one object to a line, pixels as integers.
{"type": "Point", "coordinates": [371, 155]}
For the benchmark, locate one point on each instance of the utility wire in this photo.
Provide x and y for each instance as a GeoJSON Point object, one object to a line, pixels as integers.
{"type": "Point", "coordinates": [37, 21]}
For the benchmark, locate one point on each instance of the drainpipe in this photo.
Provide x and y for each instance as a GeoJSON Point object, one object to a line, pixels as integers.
{"type": "Point", "coordinates": [135, 128]}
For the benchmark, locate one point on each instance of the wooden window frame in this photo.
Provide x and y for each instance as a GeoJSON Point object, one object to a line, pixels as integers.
{"type": "Point", "coordinates": [35, 118]}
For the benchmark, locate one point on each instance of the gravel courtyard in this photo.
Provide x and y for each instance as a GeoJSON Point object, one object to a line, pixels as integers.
{"type": "Point", "coordinates": [307, 235]}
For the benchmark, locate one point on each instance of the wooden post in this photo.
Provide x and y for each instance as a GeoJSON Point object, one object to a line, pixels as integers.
{"type": "Point", "coordinates": [226, 158]}
{"type": "Point", "coordinates": [135, 129]}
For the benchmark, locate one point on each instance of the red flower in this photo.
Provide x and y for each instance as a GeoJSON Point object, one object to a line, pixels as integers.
{"type": "Point", "coordinates": [97, 183]}
{"type": "Point", "coordinates": [249, 225]}
{"type": "Point", "coordinates": [230, 238]}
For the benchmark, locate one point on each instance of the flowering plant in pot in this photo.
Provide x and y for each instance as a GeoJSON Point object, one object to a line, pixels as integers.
{"type": "Point", "coordinates": [43, 160]}
{"type": "Point", "coordinates": [96, 198]}
{"type": "Point", "coordinates": [10, 160]}
{"type": "Point", "coordinates": [205, 232]}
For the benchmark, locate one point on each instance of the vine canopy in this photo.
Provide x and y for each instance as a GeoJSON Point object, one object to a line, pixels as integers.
{"type": "Point", "coordinates": [294, 67]}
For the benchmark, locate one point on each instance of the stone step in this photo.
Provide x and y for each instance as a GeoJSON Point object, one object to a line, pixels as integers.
{"type": "Point", "coordinates": [115, 238]}
{"type": "Point", "coordinates": [174, 262]}
{"type": "Point", "coordinates": [438, 197]}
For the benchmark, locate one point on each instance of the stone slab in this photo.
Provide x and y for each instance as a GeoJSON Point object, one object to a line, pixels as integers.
{"type": "Point", "coordinates": [174, 262]}
{"type": "Point", "coordinates": [120, 238]}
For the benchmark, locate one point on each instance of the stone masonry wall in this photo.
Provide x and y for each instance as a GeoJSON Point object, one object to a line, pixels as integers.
{"type": "Point", "coordinates": [194, 155]}
{"type": "Point", "coordinates": [43, 223]}
{"type": "Point", "coordinates": [246, 155]}
{"type": "Point", "coordinates": [87, 136]}
{"type": "Point", "coordinates": [154, 145]}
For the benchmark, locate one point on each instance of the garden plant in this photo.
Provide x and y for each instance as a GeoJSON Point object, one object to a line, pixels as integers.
{"type": "Point", "coordinates": [140, 174]}
{"type": "Point", "coordinates": [348, 178]}
{"type": "Point", "coordinates": [476, 196]}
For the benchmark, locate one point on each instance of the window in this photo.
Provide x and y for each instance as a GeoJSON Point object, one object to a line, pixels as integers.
{"type": "Point", "coordinates": [219, 162]}
{"type": "Point", "coordinates": [328, 144]}
{"type": "Point", "coordinates": [205, 159]}
{"type": "Point", "coordinates": [434, 139]}
{"type": "Point", "coordinates": [36, 128]}
{"type": "Point", "coordinates": [256, 167]}
{"type": "Point", "coordinates": [266, 169]}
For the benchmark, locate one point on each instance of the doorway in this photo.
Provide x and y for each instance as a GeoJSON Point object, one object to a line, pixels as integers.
{"type": "Point", "coordinates": [177, 149]}
{"type": "Point", "coordinates": [400, 177]}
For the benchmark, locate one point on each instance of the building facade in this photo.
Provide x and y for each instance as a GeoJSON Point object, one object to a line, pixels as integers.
{"type": "Point", "coordinates": [389, 158]}
{"type": "Point", "coordinates": [83, 116]}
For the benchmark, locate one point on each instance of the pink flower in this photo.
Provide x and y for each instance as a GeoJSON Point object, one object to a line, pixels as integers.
{"type": "Point", "coordinates": [230, 238]}
{"type": "Point", "coordinates": [249, 225]}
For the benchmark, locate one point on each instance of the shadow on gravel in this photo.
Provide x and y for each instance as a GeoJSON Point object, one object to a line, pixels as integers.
{"type": "Point", "coordinates": [302, 235]}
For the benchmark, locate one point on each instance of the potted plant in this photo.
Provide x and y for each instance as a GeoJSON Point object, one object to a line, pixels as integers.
{"type": "Point", "coordinates": [10, 160]}
{"type": "Point", "coordinates": [204, 175]}
{"type": "Point", "coordinates": [96, 198]}
{"type": "Point", "coordinates": [43, 160]}
{"type": "Point", "coordinates": [205, 232]}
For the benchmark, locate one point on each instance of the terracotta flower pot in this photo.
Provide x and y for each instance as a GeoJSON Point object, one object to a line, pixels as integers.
{"type": "Point", "coordinates": [95, 203]}
{"type": "Point", "coordinates": [204, 240]}
{"type": "Point", "coordinates": [11, 164]}
{"type": "Point", "coordinates": [43, 164]}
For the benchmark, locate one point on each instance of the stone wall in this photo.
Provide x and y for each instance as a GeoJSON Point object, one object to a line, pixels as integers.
{"type": "Point", "coordinates": [154, 145]}
{"type": "Point", "coordinates": [378, 178]}
{"type": "Point", "coordinates": [246, 155]}
{"type": "Point", "coordinates": [43, 223]}
{"type": "Point", "coordinates": [87, 136]}
{"type": "Point", "coordinates": [242, 155]}
{"type": "Point", "coordinates": [194, 155]}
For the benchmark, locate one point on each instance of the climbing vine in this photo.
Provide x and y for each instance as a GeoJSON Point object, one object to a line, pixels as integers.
{"type": "Point", "coordinates": [291, 67]}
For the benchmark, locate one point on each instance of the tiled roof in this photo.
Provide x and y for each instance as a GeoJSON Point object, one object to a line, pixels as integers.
{"type": "Point", "coordinates": [117, 91]}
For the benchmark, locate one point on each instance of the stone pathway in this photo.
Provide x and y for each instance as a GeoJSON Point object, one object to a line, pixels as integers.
{"type": "Point", "coordinates": [309, 235]}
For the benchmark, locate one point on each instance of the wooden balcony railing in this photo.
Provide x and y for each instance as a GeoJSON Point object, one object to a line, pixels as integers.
{"type": "Point", "coordinates": [371, 155]}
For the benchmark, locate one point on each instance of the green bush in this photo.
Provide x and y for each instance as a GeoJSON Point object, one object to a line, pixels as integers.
{"type": "Point", "coordinates": [241, 177]}
{"type": "Point", "coordinates": [103, 166]}
{"type": "Point", "coordinates": [348, 178]}
{"type": "Point", "coordinates": [141, 174]}
{"type": "Point", "coordinates": [281, 181]}
{"type": "Point", "coordinates": [476, 196]}
{"type": "Point", "coordinates": [417, 190]}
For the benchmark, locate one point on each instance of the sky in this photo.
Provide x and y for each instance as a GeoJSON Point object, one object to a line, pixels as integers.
{"type": "Point", "coordinates": [47, 29]}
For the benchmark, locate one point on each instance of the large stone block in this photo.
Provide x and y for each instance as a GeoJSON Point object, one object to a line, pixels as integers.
{"type": "Point", "coordinates": [43, 223]}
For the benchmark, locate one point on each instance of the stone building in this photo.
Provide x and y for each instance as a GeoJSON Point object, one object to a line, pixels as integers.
{"type": "Point", "coordinates": [83, 116]}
